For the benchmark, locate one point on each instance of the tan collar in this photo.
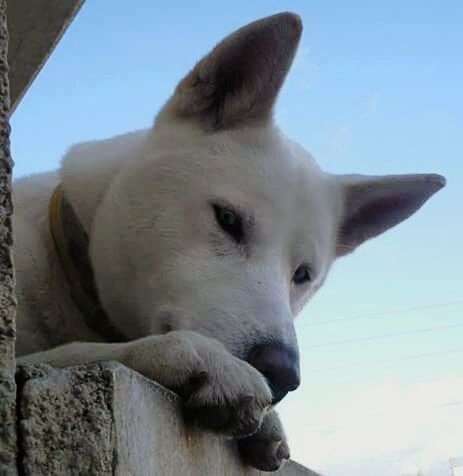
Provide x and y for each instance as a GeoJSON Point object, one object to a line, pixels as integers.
{"type": "Point", "coordinates": [71, 244]}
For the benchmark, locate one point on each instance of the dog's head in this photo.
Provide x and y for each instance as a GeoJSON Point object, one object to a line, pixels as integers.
{"type": "Point", "coordinates": [222, 225]}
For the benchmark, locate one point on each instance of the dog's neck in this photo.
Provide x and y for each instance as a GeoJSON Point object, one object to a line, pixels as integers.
{"type": "Point", "coordinates": [89, 168]}
{"type": "Point", "coordinates": [86, 174]}
{"type": "Point", "coordinates": [72, 245]}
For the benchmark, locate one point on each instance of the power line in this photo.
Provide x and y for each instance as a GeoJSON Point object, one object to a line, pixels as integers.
{"type": "Point", "coordinates": [386, 362]}
{"type": "Point", "coordinates": [385, 336]}
{"type": "Point", "coordinates": [452, 403]}
{"type": "Point", "coordinates": [321, 322]}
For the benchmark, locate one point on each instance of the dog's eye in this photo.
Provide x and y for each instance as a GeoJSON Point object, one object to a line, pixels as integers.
{"type": "Point", "coordinates": [230, 222]}
{"type": "Point", "coordinates": [303, 274]}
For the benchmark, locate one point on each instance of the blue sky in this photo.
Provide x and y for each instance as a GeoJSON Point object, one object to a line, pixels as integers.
{"type": "Point", "coordinates": [376, 88]}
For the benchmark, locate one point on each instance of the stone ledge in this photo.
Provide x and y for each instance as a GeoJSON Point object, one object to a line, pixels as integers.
{"type": "Point", "coordinates": [108, 420]}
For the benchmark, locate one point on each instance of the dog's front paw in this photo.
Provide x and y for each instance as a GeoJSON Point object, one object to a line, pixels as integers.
{"type": "Point", "coordinates": [220, 392]}
{"type": "Point", "coordinates": [267, 449]}
{"type": "Point", "coordinates": [232, 397]}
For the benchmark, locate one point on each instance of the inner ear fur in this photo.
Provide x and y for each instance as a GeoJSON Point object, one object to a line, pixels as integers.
{"type": "Point", "coordinates": [373, 205]}
{"type": "Point", "coordinates": [238, 82]}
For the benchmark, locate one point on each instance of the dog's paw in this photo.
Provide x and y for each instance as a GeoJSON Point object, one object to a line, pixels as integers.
{"type": "Point", "coordinates": [221, 392]}
{"type": "Point", "coordinates": [232, 397]}
{"type": "Point", "coordinates": [267, 449]}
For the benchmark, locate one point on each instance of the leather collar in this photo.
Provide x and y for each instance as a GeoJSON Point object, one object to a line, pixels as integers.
{"type": "Point", "coordinates": [72, 245]}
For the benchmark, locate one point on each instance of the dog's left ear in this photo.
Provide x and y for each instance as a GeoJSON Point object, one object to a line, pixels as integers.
{"type": "Point", "coordinates": [238, 81]}
{"type": "Point", "coordinates": [372, 205]}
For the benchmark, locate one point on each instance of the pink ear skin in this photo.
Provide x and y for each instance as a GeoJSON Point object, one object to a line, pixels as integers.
{"type": "Point", "coordinates": [373, 205]}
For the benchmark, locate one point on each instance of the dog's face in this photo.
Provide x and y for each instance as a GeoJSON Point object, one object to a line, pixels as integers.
{"type": "Point", "coordinates": [224, 226]}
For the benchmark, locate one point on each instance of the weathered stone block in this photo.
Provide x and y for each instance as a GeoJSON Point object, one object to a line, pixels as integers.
{"type": "Point", "coordinates": [106, 419]}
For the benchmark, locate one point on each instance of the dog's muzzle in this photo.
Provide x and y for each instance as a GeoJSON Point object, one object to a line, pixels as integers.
{"type": "Point", "coordinates": [279, 365]}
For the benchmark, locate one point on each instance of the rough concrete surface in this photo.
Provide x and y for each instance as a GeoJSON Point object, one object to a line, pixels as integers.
{"type": "Point", "coordinates": [7, 298]}
{"type": "Point", "coordinates": [65, 421]}
{"type": "Point", "coordinates": [36, 27]}
{"type": "Point", "coordinates": [106, 419]}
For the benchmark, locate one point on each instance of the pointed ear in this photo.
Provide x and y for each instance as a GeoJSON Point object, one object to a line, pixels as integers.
{"type": "Point", "coordinates": [238, 81]}
{"type": "Point", "coordinates": [372, 205]}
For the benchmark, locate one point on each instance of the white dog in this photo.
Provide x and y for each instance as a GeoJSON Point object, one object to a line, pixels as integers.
{"type": "Point", "coordinates": [185, 251]}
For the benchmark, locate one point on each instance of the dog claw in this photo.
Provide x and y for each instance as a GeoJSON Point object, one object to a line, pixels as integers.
{"type": "Point", "coordinates": [197, 381]}
{"type": "Point", "coordinates": [194, 383]}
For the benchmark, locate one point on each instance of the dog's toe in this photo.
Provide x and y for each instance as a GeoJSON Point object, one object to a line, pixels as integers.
{"type": "Point", "coordinates": [240, 419]}
{"type": "Point", "coordinates": [263, 453]}
{"type": "Point", "coordinates": [266, 449]}
{"type": "Point", "coordinates": [213, 418]}
{"type": "Point", "coordinates": [192, 384]}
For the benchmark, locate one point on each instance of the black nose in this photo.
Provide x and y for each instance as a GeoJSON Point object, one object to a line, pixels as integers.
{"type": "Point", "coordinates": [279, 365]}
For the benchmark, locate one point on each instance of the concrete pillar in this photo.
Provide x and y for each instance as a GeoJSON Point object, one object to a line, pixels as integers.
{"type": "Point", "coordinates": [7, 298]}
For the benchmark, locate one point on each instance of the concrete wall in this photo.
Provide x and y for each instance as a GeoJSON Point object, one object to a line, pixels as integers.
{"type": "Point", "coordinates": [7, 299]}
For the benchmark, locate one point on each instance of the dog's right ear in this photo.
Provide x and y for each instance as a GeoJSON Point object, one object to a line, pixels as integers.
{"type": "Point", "coordinates": [238, 81]}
